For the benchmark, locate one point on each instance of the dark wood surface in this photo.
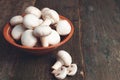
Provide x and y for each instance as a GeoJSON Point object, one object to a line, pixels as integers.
{"type": "Point", "coordinates": [96, 37]}
{"type": "Point", "coordinates": [101, 38]}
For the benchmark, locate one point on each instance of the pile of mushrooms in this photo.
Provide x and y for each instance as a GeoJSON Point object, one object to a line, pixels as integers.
{"type": "Point", "coordinates": [63, 65]}
{"type": "Point", "coordinates": [35, 27]}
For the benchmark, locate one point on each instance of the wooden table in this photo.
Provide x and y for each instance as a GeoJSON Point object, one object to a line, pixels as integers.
{"type": "Point", "coordinates": [95, 46]}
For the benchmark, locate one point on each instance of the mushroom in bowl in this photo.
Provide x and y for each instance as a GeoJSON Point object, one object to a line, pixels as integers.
{"type": "Point", "coordinates": [34, 48]}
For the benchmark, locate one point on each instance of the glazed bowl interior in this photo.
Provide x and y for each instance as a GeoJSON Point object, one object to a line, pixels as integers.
{"type": "Point", "coordinates": [36, 50]}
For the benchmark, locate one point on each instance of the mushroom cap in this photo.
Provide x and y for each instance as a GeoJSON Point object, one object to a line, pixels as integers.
{"type": "Point", "coordinates": [33, 10]}
{"type": "Point", "coordinates": [63, 27]}
{"type": "Point", "coordinates": [17, 31]}
{"type": "Point", "coordinates": [72, 69]}
{"type": "Point", "coordinates": [16, 20]}
{"type": "Point", "coordinates": [27, 38]}
{"type": "Point", "coordinates": [52, 15]}
{"type": "Point", "coordinates": [60, 73]}
{"type": "Point", "coordinates": [64, 57]}
{"type": "Point", "coordinates": [30, 21]}
{"type": "Point", "coordinates": [43, 30]}
{"type": "Point", "coordinates": [44, 10]}
{"type": "Point", "coordinates": [52, 39]}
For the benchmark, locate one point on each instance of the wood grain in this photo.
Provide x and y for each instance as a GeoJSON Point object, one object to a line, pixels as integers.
{"type": "Point", "coordinates": [101, 39]}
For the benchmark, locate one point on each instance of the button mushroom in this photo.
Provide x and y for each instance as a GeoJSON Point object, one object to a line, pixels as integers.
{"type": "Point", "coordinates": [33, 10]}
{"type": "Point", "coordinates": [42, 30]}
{"type": "Point", "coordinates": [72, 69]}
{"type": "Point", "coordinates": [44, 10]}
{"type": "Point", "coordinates": [63, 27]}
{"type": "Point", "coordinates": [60, 73]}
{"type": "Point", "coordinates": [31, 21]}
{"type": "Point", "coordinates": [52, 39]}
{"type": "Point", "coordinates": [27, 38]}
{"type": "Point", "coordinates": [50, 17]}
{"type": "Point", "coordinates": [16, 20]}
{"type": "Point", "coordinates": [64, 58]}
{"type": "Point", "coordinates": [17, 31]}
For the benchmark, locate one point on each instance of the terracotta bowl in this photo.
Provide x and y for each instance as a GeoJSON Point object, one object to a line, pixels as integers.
{"type": "Point", "coordinates": [36, 50]}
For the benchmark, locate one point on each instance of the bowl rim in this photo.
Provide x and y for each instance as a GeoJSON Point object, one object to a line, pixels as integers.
{"type": "Point", "coordinates": [7, 28]}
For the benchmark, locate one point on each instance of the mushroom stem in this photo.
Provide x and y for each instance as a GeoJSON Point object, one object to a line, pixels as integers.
{"type": "Point", "coordinates": [46, 22]}
{"type": "Point", "coordinates": [44, 42]}
{"type": "Point", "coordinates": [57, 65]}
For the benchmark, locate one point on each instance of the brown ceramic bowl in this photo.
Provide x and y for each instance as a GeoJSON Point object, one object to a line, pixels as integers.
{"type": "Point", "coordinates": [36, 50]}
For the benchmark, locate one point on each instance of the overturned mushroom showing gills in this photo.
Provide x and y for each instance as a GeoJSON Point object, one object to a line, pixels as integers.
{"type": "Point", "coordinates": [60, 73]}
{"type": "Point", "coordinates": [50, 17]}
{"type": "Point", "coordinates": [63, 58]}
{"type": "Point", "coordinates": [52, 39]}
{"type": "Point", "coordinates": [33, 10]}
{"type": "Point", "coordinates": [43, 30]}
{"type": "Point", "coordinates": [30, 21]}
{"type": "Point", "coordinates": [72, 69]}
{"type": "Point", "coordinates": [16, 20]}
{"type": "Point", "coordinates": [17, 31]}
{"type": "Point", "coordinates": [27, 38]}
{"type": "Point", "coordinates": [63, 27]}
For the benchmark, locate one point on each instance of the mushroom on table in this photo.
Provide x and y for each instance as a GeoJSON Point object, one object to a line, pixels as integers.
{"type": "Point", "coordinates": [60, 73]}
{"type": "Point", "coordinates": [63, 58]}
{"type": "Point", "coordinates": [72, 69]}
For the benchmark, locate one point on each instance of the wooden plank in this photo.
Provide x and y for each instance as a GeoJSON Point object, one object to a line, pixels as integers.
{"type": "Point", "coordinates": [39, 67]}
{"type": "Point", "coordinates": [8, 54]}
{"type": "Point", "coordinates": [101, 39]}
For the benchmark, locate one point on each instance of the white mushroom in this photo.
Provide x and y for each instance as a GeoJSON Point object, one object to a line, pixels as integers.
{"type": "Point", "coordinates": [31, 21]}
{"type": "Point", "coordinates": [44, 10]}
{"type": "Point", "coordinates": [50, 17]}
{"type": "Point", "coordinates": [43, 30]}
{"type": "Point", "coordinates": [16, 20]}
{"type": "Point", "coordinates": [64, 58]}
{"type": "Point", "coordinates": [27, 38]}
{"type": "Point", "coordinates": [63, 27]}
{"type": "Point", "coordinates": [52, 39]}
{"type": "Point", "coordinates": [33, 10]}
{"type": "Point", "coordinates": [72, 69]}
{"type": "Point", "coordinates": [60, 73]}
{"type": "Point", "coordinates": [17, 31]}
